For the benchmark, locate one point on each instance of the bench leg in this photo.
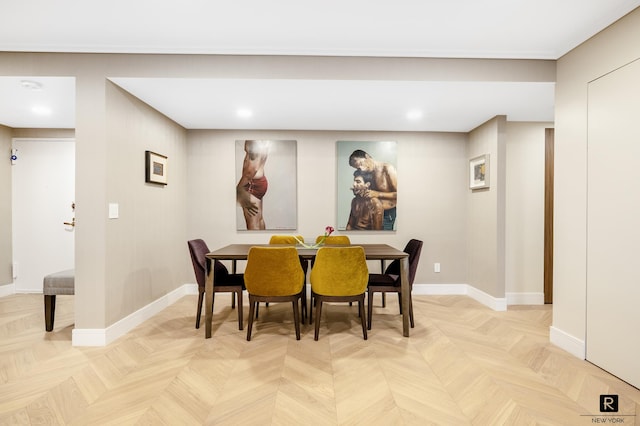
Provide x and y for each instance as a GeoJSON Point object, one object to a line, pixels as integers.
{"type": "Point", "coordinates": [49, 311]}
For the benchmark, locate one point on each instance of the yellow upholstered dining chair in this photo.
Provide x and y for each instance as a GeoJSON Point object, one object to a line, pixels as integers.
{"type": "Point", "coordinates": [330, 240]}
{"type": "Point", "coordinates": [340, 274]}
{"type": "Point", "coordinates": [224, 281]}
{"type": "Point", "coordinates": [389, 281]}
{"type": "Point", "coordinates": [285, 239]}
{"type": "Point", "coordinates": [334, 239]}
{"type": "Point", "coordinates": [291, 239]}
{"type": "Point", "coordinates": [273, 274]}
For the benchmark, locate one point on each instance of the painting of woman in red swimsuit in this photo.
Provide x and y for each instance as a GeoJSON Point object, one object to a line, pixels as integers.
{"type": "Point", "coordinates": [253, 186]}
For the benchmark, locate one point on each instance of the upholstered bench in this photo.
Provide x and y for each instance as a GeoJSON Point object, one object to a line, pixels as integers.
{"type": "Point", "coordinates": [53, 284]}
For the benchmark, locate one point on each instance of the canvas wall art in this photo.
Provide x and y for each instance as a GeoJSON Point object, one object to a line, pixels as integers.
{"type": "Point", "coordinates": [367, 185]}
{"type": "Point", "coordinates": [266, 188]}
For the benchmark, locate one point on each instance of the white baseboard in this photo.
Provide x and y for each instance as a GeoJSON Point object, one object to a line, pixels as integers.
{"type": "Point", "coordinates": [104, 336]}
{"type": "Point", "coordinates": [569, 343]}
{"type": "Point", "coordinates": [525, 298]}
{"type": "Point", "coordinates": [495, 303]}
{"type": "Point", "coordinates": [7, 289]}
{"type": "Point", "coordinates": [440, 289]}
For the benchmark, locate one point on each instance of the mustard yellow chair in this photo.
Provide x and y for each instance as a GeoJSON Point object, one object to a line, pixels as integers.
{"type": "Point", "coordinates": [334, 239]}
{"type": "Point", "coordinates": [340, 274]}
{"type": "Point", "coordinates": [330, 240]}
{"type": "Point", "coordinates": [285, 239]}
{"type": "Point", "coordinates": [273, 274]}
{"type": "Point", "coordinates": [290, 239]}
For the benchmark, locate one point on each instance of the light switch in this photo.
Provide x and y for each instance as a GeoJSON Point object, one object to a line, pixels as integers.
{"type": "Point", "coordinates": [436, 267]}
{"type": "Point", "coordinates": [113, 210]}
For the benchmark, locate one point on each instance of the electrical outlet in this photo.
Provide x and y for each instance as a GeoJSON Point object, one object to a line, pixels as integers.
{"type": "Point", "coordinates": [436, 267]}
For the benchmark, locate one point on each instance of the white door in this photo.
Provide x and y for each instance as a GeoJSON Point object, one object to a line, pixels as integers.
{"type": "Point", "coordinates": [43, 188]}
{"type": "Point", "coordinates": [613, 223]}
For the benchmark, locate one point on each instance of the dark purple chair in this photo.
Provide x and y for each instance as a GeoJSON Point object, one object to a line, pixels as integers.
{"type": "Point", "coordinates": [224, 281]}
{"type": "Point", "coordinates": [389, 282]}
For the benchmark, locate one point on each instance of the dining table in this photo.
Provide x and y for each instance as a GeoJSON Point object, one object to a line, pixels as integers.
{"type": "Point", "coordinates": [383, 252]}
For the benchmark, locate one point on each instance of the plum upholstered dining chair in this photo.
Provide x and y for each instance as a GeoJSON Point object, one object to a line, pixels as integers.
{"type": "Point", "coordinates": [290, 239]}
{"type": "Point", "coordinates": [224, 281]}
{"type": "Point", "coordinates": [340, 274]}
{"type": "Point", "coordinates": [389, 281]}
{"type": "Point", "coordinates": [274, 274]}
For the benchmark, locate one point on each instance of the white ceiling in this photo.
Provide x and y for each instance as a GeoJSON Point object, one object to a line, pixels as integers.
{"type": "Point", "coordinates": [523, 29]}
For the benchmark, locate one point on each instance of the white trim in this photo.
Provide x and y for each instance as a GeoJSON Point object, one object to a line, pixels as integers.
{"type": "Point", "coordinates": [440, 289]}
{"type": "Point", "coordinates": [104, 336]}
{"type": "Point", "coordinates": [569, 343]}
{"type": "Point", "coordinates": [525, 298]}
{"type": "Point", "coordinates": [495, 303]}
{"type": "Point", "coordinates": [7, 289]}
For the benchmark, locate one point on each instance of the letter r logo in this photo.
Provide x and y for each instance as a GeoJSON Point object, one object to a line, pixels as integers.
{"type": "Point", "coordinates": [608, 403]}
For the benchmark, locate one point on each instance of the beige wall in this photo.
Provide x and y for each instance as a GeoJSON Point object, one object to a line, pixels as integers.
{"type": "Point", "coordinates": [486, 211]}
{"type": "Point", "coordinates": [146, 247]}
{"type": "Point", "coordinates": [614, 47]}
{"type": "Point", "coordinates": [5, 207]}
{"type": "Point", "coordinates": [107, 143]}
{"type": "Point", "coordinates": [524, 227]}
{"type": "Point", "coordinates": [431, 192]}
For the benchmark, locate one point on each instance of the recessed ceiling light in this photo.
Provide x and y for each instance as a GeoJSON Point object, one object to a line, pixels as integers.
{"type": "Point", "coordinates": [41, 110]}
{"type": "Point", "coordinates": [31, 85]}
{"type": "Point", "coordinates": [244, 113]}
{"type": "Point", "coordinates": [414, 114]}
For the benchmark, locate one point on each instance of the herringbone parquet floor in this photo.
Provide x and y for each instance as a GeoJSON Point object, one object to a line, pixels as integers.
{"type": "Point", "coordinates": [463, 364]}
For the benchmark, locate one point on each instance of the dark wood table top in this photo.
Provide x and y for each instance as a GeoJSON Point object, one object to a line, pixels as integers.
{"type": "Point", "coordinates": [372, 251]}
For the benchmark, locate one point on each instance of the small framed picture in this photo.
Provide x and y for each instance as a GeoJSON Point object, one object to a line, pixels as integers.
{"type": "Point", "coordinates": [479, 172]}
{"type": "Point", "coordinates": [155, 168]}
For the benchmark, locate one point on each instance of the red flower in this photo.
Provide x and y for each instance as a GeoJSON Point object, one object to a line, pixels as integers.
{"type": "Point", "coordinates": [328, 231]}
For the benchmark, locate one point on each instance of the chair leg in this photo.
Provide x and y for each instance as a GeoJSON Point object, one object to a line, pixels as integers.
{"type": "Point", "coordinates": [318, 312]}
{"type": "Point", "coordinates": [199, 311]}
{"type": "Point", "coordinates": [362, 317]}
{"type": "Point", "coordinates": [296, 318]}
{"type": "Point", "coordinates": [233, 301]}
{"type": "Point", "coordinates": [257, 309]}
{"type": "Point", "coordinates": [370, 308]}
{"type": "Point", "coordinates": [304, 310]}
{"type": "Point", "coordinates": [239, 295]}
{"type": "Point", "coordinates": [384, 300]}
{"type": "Point", "coordinates": [400, 302]}
{"type": "Point", "coordinates": [411, 311]}
{"type": "Point", "coordinates": [252, 305]}
{"type": "Point", "coordinates": [49, 311]}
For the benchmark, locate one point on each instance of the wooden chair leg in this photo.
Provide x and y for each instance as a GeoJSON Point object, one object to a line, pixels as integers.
{"type": "Point", "coordinates": [411, 312]}
{"type": "Point", "coordinates": [370, 308]}
{"type": "Point", "coordinates": [362, 316]}
{"type": "Point", "coordinates": [239, 295]}
{"type": "Point", "coordinates": [49, 311]}
{"type": "Point", "coordinates": [400, 302]}
{"type": "Point", "coordinates": [318, 312]}
{"type": "Point", "coordinates": [199, 311]}
{"type": "Point", "coordinates": [304, 310]}
{"type": "Point", "coordinates": [233, 301]}
{"type": "Point", "coordinates": [296, 318]}
{"type": "Point", "coordinates": [252, 305]}
{"type": "Point", "coordinates": [384, 300]}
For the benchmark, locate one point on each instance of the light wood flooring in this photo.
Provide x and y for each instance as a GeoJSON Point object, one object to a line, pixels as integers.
{"type": "Point", "coordinates": [463, 364]}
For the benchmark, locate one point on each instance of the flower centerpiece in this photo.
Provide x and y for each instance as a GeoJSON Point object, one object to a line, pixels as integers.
{"type": "Point", "coordinates": [327, 231]}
